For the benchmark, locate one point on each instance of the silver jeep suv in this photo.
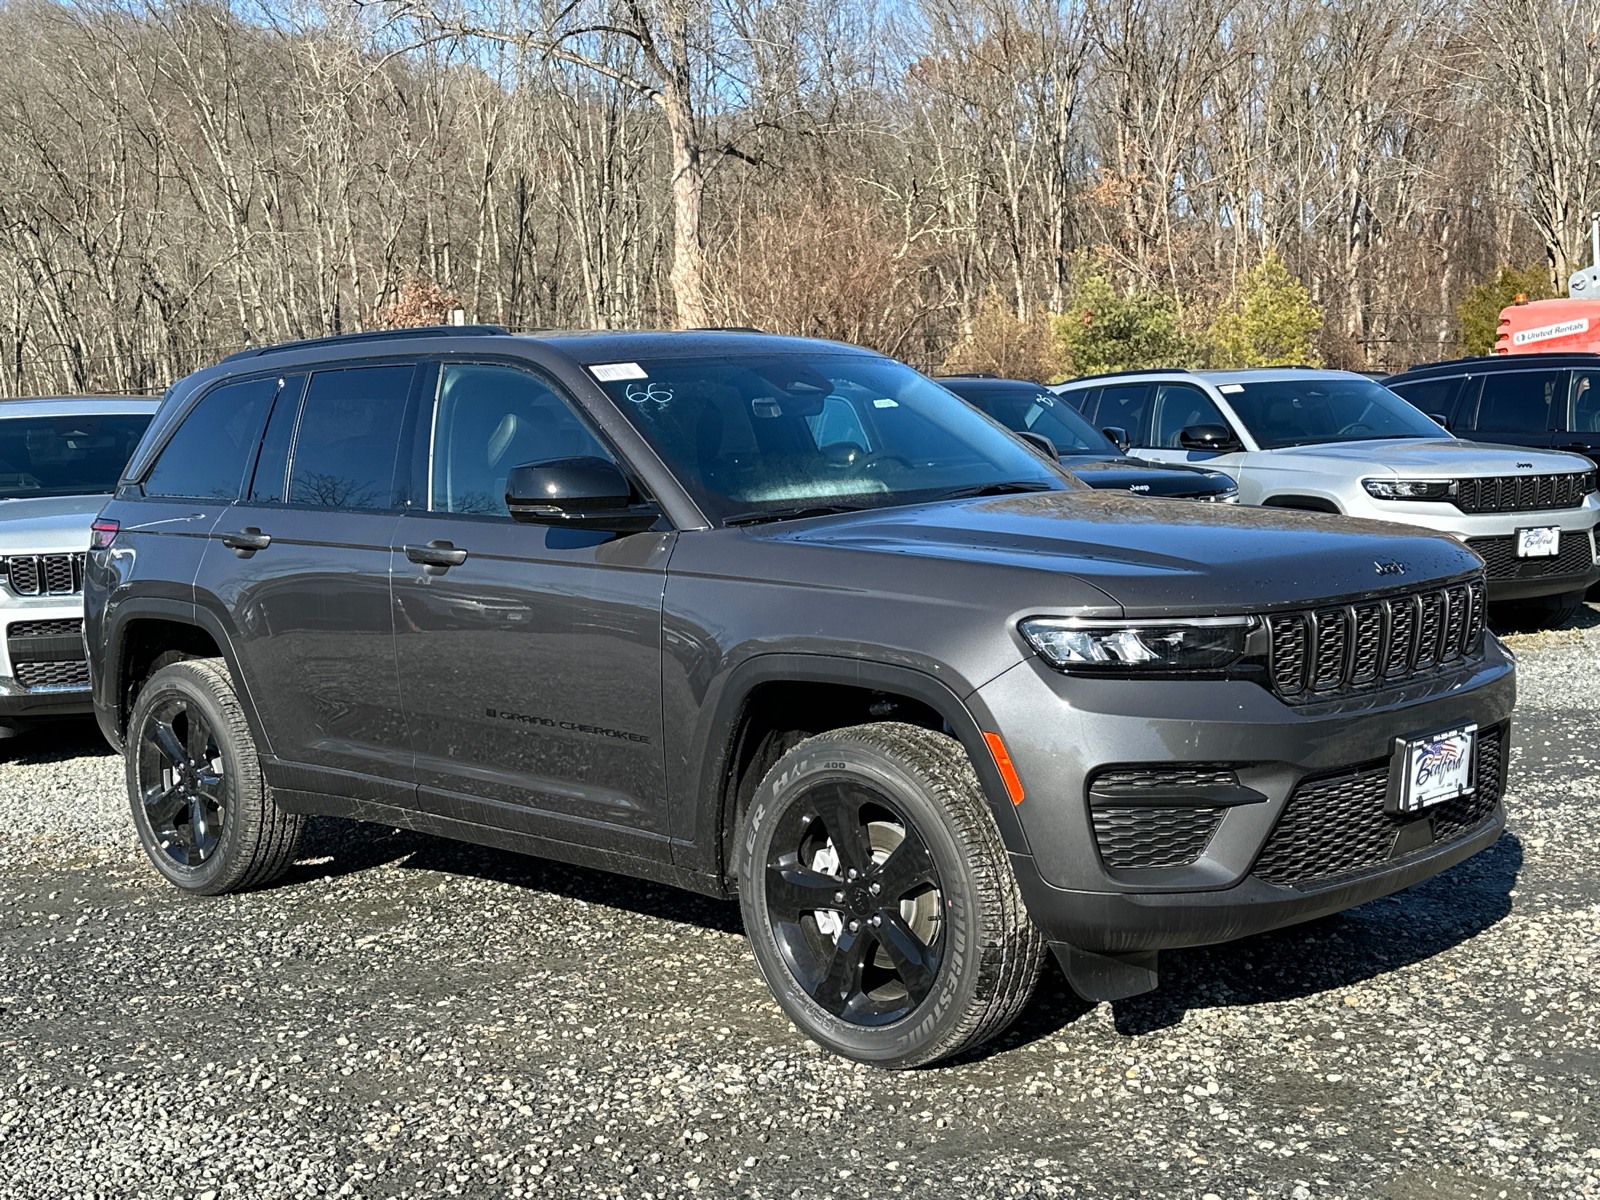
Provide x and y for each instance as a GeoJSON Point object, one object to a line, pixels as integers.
{"type": "Point", "coordinates": [59, 462]}
{"type": "Point", "coordinates": [1334, 441]}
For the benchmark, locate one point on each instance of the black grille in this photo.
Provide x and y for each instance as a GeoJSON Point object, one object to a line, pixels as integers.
{"type": "Point", "coordinates": [1337, 825]}
{"type": "Point", "coordinates": [1500, 556]}
{"type": "Point", "coordinates": [1320, 654]}
{"type": "Point", "coordinates": [1153, 837]}
{"type": "Point", "coordinates": [1520, 493]}
{"type": "Point", "coordinates": [58, 628]}
{"type": "Point", "coordinates": [48, 653]}
{"type": "Point", "coordinates": [53, 674]}
{"type": "Point", "coordinates": [1134, 780]}
{"type": "Point", "coordinates": [43, 574]}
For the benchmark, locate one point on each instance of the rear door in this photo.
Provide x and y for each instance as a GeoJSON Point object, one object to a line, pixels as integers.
{"type": "Point", "coordinates": [1515, 408]}
{"type": "Point", "coordinates": [299, 568]}
{"type": "Point", "coordinates": [530, 668]}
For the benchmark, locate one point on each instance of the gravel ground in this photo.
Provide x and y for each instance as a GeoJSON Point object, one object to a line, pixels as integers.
{"type": "Point", "coordinates": [406, 1016]}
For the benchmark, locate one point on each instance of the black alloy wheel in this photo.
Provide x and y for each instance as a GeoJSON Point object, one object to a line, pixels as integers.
{"type": "Point", "coordinates": [879, 899]}
{"type": "Point", "coordinates": [855, 903]}
{"type": "Point", "coordinates": [205, 815]}
{"type": "Point", "coordinates": [182, 781]}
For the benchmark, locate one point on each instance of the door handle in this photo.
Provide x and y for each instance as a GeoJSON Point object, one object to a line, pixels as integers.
{"type": "Point", "coordinates": [436, 557]}
{"type": "Point", "coordinates": [247, 541]}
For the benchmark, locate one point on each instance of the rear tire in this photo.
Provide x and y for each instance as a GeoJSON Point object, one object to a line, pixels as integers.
{"type": "Point", "coordinates": [1542, 612]}
{"type": "Point", "coordinates": [879, 900]}
{"type": "Point", "coordinates": [204, 814]}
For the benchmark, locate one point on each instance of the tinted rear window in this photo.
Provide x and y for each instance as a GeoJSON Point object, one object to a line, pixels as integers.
{"type": "Point", "coordinates": [207, 457]}
{"type": "Point", "coordinates": [348, 437]}
{"type": "Point", "coordinates": [1518, 401]}
{"type": "Point", "coordinates": [66, 456]}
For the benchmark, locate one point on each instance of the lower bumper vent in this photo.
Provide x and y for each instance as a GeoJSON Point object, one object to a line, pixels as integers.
{"type": "Point", "coordinates": [1337, 825]}
{"type": "Point", "coordinates": [48, 654]}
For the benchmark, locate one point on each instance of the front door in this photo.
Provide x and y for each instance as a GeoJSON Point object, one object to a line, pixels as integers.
{"type": "Point", "coordinates": [1581, 429]}
{"type": "Point", "coordinates": [300, 567]}
{"type": "Point", "coordinates": [529, 657]}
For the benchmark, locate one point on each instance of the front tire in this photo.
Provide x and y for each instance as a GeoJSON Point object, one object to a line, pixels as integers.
{"type": "Point", "coordinates": [879, 901]}
{"type": "Point", "coordinates": [203, 812]}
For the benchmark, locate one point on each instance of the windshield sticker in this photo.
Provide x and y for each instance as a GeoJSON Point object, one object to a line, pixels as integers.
{"type": "Point", "coordinates": [611, 372]}
{"type": "Point", "coordinates": [1229, 389]}
{"type": "Point", "coordinates": [886, 403]}
{"type": "Point", "coordinates": [658, 394]}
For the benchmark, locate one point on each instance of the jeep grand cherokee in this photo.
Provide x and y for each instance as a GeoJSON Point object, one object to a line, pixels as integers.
{"type": "Point", "coordinates": [783, 619]}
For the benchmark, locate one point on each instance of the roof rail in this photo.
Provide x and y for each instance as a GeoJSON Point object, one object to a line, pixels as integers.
{"type": "Point", "coordinates": [977, 375]}
{"type": "Point", "coordinates": [1131, 371]}
{"type": "Point", "coordinates": [1499, 358]}
{"type": "Point", "coordinates": [374, 335]}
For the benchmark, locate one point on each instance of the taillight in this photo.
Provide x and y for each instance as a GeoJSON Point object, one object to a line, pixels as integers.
{"type": "Point", "coordinates": [104, 533]}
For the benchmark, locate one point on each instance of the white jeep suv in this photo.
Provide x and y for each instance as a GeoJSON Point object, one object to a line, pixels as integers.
{"type": "Point", "coordinates": [1337, 442]}
{"type": "Point", "coordinates": [59, 461]}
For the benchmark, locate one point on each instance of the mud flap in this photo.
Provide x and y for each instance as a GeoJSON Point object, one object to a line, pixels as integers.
{"type": "Point", "coordinates": [1108, 976]}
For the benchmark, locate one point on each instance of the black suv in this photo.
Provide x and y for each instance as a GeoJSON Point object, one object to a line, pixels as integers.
{"type": "Point", "coordinates": [1062, 432]}
{"type": "Point", "coordinates": [1548, 401]}
{"type": "Point", "coordinates": [780, 618]}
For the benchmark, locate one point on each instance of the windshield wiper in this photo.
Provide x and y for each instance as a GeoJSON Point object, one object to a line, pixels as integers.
{"type": "Point", "coordinates": [797, 513]}
{"type": "Point", "coordinates": [1009, 488]}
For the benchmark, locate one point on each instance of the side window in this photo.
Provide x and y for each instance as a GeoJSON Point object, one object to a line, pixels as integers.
{"type": "Point", "coordinates": [1430, 397]}
{"type": "Point", "coordinates": [206, 459]}
{"type": "Point", "coordinates": [1584, 408]}
{"type": "Point", "coordinates": [1122, 407]}
{"type": "Point", "coordinates": [1178, 406]}
{"type": "Point", "coordinates": [1518, 401]}
{"type": "Point", "coordinates": [348, 436]}
{"type": "Point", "coordinates": [1085, 400]}
{"type": "Point", "coordinates": [270, 482]}
{"type": "Point", "coordinates": [488, 419]}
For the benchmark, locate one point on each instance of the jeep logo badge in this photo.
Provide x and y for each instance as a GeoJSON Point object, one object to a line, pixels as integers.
{"type": "Point", "coordinates": [1524, 466]}
{"type": "Point", "coordinates": [1389, 568]}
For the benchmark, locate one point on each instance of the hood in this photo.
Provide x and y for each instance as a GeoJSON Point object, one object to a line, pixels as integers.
{"type": "Point", "coordinates": [49, 524]}
{"type": "Point", "coordinates": [1437, 456]}
{"type": "Point", "coordinates": [1152, 556]}
{"type": "Point", "coordinates": [1116, 474]}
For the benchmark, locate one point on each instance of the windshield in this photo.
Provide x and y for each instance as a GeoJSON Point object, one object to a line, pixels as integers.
{"type": "Point", "coordinates": [66, 456]}
{"type": "Point", "coordinates": [1300, 412]}
{"type": "Point", "coordinates": [1034, 410]}
{"type": "Point", "coordinates": [749, 434]}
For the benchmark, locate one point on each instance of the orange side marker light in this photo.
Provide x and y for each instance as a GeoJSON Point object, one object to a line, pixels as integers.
{"type": "Point", "coordinates": [1007, 772]}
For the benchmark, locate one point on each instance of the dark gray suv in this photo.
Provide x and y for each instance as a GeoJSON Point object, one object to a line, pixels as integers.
{"type": "Point", "coordinates": [780, 618]}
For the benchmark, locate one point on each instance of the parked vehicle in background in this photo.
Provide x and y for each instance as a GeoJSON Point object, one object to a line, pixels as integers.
{"type": "Point", "coordinates": [781, 618]}
{"type": "Point", "coordinates": [1037, 413]}
{"type": "Point", "coordinates": [1335, 441]}
{"type": "Point", "coordinates": [59, 461]}
{"type": "Point", "coordinates": [1551, 401]}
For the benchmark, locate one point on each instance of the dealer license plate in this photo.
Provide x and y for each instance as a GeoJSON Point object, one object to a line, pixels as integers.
{"type": "Point", "coordinates": [1542, 542]}
{"type": "Point", "coordinates": [1430, 770]}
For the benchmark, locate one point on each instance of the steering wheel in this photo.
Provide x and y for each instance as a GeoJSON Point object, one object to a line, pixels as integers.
{"type": "Point", "coordinates": [1353, 426]}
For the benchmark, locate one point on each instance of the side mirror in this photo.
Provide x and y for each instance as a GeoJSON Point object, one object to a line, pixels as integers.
{"type": "Point", "coordinates": [1438, 419]}
{"type": "Point", "coordinates": [1218, 439]}
{"type": "Point", "coordinates": [1119, 436]}
{"type": "Point", "coordinates": [1040, 443]}
{"type": "Point", "coordinates": [577, 493]}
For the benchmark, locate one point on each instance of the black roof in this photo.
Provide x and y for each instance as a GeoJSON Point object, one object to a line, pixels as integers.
{"type": "Point", "coordinates": [583, 345]}
{"type": "Point", "coordinates": [987, 383]}
{"type": "Point", "coordinates": [1500, 362]}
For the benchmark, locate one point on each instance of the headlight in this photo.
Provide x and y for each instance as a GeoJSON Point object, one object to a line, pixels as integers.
{"type": "Point", "coordinates": [1408, 489]}
{"type": "Point", "coordinates": [1231, 496]}
{"type": "Point", "coordinates": [1179, 644]}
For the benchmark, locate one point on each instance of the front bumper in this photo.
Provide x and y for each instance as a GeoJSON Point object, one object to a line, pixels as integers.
{"type": "Point", "coordinates": [1493, 537]}
{"type": "Point", "coordinates": [1062, 731]}
{"type": "Point", "coordinates": [43, 668]}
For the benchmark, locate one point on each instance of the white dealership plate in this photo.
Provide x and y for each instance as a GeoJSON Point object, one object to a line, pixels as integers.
{"type": "Point", "coordinates": [1543, 541]}
{"type": "Point", "coordinates": [1430, 770]}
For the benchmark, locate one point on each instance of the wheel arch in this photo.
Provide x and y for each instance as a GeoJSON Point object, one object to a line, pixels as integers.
{"type": "Point", "coordinates": [148, 629]}
{"type": "Point", "coordinates": [859, 691]}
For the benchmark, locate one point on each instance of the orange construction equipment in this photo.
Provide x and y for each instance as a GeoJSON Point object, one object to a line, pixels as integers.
{"type": "Point", "coordinates": [1548, 326]}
